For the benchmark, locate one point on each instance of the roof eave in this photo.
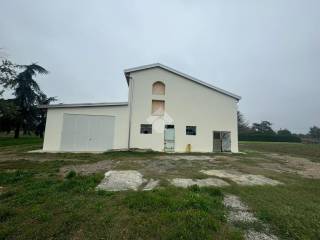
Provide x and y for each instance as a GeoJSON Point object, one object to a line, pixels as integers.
{"type": "Point", "coordinates": [79, 105]}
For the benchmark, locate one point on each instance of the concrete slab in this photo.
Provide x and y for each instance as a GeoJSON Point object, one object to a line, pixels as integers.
{"type": "Point", "coordinates": [241, 178]}
{"type": "Point", "coordinates": [187, 182]}
{"type": "Point", "coordinates": [121, 181]}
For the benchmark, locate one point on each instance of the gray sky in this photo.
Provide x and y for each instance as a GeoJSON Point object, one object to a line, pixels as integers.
{"type": "Point", "coordinates": [267, 51]}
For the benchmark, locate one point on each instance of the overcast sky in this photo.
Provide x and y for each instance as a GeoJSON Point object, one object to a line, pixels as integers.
{"type": "Point", "coordinates": [267, 51]}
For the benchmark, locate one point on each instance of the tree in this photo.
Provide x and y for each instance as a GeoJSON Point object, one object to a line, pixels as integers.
{"type": "Point", "coordinates": [8, 115]}
{"type": "Point", "coordinates": [42, 114]}
{"type": "Point", "coordinates": [243, 125]}
{"type": "Point", "coordinates": [263, 127]}
{"type": "Point", "coordinates": [7, 73]}
{"type": "Point", "coordinates": [284, 132]}
{"type": "Point", "coordinates": [314, 132]}
{"type": "Point", "coordinates": [26, 91]}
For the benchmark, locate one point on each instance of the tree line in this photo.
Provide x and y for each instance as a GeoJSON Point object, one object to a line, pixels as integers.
{"type": "Point", "coordinates": [263, 131]}
{"type": "Point", "coordinates": [21, 114]}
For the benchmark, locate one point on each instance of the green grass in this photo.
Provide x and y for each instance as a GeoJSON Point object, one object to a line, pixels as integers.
{"type": "Point", "coordinates": [42, 207]}
{"type": "Point", "coordinates": [24, 140]}
{"type": "Point", "coordinates": [37, 202]}
{"type": "Point", "coordinates": [298, 149]}
{"type": "Point", "coordinates": [292, 211]}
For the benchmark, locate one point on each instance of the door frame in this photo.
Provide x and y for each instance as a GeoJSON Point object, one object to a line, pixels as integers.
{"type": "Point", "coordinates": [164, 137]}
{"type": "Point", "coordinates": [221, 145]}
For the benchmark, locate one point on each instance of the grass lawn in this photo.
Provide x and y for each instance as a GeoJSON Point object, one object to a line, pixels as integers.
{"type": "Point", "coordinates": [24, 140]}
{"type": "Point", "coordinates": [298, 149]}
{"type": "Point", "coordinates": [37, 202]}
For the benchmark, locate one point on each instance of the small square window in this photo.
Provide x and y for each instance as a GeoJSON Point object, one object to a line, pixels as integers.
{"type": "Point", "coordinates": [146, 128]}
{"type": "Point", "coordinates": [191, 130]}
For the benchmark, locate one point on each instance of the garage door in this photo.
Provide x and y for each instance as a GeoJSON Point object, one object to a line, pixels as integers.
{"type": "Point", "coordinates": [87, 132]}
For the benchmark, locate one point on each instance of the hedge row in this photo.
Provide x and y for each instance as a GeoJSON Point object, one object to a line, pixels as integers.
{"type": "Point", "coordinates": [268, 137]}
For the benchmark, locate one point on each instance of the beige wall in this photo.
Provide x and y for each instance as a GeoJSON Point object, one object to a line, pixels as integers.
{"type": "Point", "coordinates": [186, 103]}
{"type": "Point", "coordinates": [55, 121]}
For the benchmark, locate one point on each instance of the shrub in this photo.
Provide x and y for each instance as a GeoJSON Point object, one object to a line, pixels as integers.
{"type": "Point", "coordinates": [268, 137]}
{"type": "Point", "coordinates": [71, 174]}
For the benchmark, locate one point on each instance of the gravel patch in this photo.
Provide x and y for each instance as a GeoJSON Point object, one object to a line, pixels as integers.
{"type": "Point", "coordinates": [187, 182]}
{"type": "Point", "coordinates": [198, 158]}
{"type": "Point", "coordinates": [121, 181]}
{"type": "Point", "coordinates": [239, 212]}
{"type": "Point", "coordinates": [242, 179]}
{"type": "Point", "coordinates": [302, 166]}
{"type": "Point", "coordinates": [90, 168]}
{"type": "Point", "coordinates": [187, 157]}
{"type": "Point", "coordinates": [151, 185]}
{"type": "Point", "coordinates": [241, 216]}
{"type": "Point", "coordinates": [233, 202]}
{"type": "Point", "coordinates": [253, 235]}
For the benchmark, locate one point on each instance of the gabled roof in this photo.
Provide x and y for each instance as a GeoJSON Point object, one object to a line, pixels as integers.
{"type": "Point", "coordinates": [159, 65]}
{"type": "Point", "coordinates": [77, 105]}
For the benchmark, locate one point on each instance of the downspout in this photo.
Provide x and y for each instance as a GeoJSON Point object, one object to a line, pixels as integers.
{"type": "Point", "coordinates": [130, 80]}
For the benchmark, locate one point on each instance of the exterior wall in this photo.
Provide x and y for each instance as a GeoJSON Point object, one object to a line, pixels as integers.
{"type": "Point", "coordinates": [186, 104]}
{"type": "Point", "coordinates": [54, 124]}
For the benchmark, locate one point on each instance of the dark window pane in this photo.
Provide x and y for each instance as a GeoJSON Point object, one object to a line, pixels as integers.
{"type": "Point", "coordinates": [146, 128]}
{"type": "Point", "coordinates": [216, 135]}
{"type": "Point", "coordinates": [191, 130]}
{"type": "Point", "coordinates": [169, 126]}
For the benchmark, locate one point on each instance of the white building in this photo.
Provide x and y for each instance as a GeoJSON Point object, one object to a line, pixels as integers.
{"type": "Point", "coordinates": [166, 111]}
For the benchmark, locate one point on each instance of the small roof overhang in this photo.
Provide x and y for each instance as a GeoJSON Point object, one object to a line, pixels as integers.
{"type": "Point", "coordinates": [78, 105]}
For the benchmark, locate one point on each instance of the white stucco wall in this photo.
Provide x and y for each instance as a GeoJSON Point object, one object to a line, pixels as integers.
{"type": "Point", "coordinates": [187, 104]}
{"type": "Point", "coordinates": [54, 124]}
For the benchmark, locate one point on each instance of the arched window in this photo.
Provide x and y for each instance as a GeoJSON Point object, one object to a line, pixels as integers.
{"type": "Point", "coordinates": [158, 88]}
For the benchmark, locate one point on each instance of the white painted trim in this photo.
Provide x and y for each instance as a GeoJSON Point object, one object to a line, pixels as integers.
{"type": "Point", "coordinates": [76, 105]}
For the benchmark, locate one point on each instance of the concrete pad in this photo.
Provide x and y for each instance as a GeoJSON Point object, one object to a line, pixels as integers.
{"type": "Point", "coordinates": [121, 181]}
{"type": "Point", "coordinates": [242, 179]}
{"type": "Point", "coordinates": [253, 235]}
{"type": "Point", "coordinates": [151, 185]}
{"type": "Point", "coordinates": [187, 182]}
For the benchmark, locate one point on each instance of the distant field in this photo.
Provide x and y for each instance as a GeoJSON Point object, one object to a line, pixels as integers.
{"type": "Point", "coordinates": [298, 149]}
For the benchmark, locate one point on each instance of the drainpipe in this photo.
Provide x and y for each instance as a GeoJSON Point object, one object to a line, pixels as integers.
{"type": "Point", "coordinates": [130, 107]}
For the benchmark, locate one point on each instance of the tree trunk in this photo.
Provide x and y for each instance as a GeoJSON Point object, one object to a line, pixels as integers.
{"type": "Point", "coordinates": [17, 131]}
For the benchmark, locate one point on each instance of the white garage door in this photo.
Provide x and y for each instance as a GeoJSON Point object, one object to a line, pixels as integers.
{"type": "Point", "coordinates": [87, 132]}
